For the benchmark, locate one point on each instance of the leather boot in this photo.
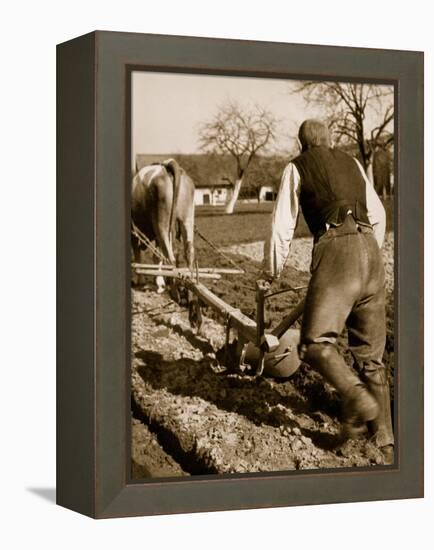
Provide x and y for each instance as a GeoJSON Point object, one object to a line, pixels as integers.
{"type": "Point", "coordinates": [359, 406]}
{"type": "Point", "coordinates": [374, 375]}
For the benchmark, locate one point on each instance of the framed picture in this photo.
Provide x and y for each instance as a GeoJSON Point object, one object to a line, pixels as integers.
{"type": "Point", "coordinates": [240, 274]}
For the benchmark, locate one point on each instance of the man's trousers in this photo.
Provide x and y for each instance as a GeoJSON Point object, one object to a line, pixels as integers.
{"type": "Point", "coordinates": [347, 289]}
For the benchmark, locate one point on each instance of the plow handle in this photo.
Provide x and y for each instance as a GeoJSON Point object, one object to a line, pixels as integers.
{"type": "Point", "coordinates": [261, 289]}
{"type": "Point", "coordinates": [288, 321]}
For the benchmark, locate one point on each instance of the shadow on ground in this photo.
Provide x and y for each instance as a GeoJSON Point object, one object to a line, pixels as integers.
{"type": "Point", "coordinates": [46, 493]}
{"type": "Point", "coordinates": [258, 399]}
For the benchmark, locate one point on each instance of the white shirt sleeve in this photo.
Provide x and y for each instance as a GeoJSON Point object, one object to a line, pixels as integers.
{"type": "Point", "coordinates": [283, 222]}
{"type": "Point", "coordinates": [375, 208]}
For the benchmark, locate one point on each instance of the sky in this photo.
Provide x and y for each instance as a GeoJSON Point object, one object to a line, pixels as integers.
{"type": "Point", "coordinates": [169, 108]}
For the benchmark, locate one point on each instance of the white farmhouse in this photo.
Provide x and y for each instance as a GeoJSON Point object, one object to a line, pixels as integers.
{"type": "Point", "coordinates": [267, 193]}
{"type": "Point", "coordinates": [213, 195]}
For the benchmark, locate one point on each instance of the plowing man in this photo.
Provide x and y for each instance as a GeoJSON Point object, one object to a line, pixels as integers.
{"type": "Point", "coordinates": [347, 220]}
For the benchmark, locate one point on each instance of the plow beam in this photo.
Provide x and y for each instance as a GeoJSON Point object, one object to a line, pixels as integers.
{"type": "Point", "coordinates": [182, 270]}
{"type": "Point", "coordinates": [177, 273]}
{"type": "Point", "coordinates": [245, 326]}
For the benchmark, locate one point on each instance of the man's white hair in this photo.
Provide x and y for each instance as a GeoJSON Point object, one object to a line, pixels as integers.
{"type": "Point", "coordinates": [313, 133]}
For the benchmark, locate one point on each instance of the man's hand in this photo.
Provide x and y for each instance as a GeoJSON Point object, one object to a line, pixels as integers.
{"type": "Point", "coordinates": [264, 284]}
{"type": "Point", "coordinates": [266, 276]}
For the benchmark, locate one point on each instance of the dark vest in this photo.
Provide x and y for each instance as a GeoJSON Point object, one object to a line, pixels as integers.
{"type": "Point", "coordinates": [331, 185]}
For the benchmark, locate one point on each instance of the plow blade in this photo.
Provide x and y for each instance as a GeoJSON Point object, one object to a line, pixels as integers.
{"type": "Point", "coordinates": [280, 363]}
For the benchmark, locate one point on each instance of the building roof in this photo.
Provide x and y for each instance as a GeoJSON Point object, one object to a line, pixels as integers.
{"type": "Point", "coordinates": [222, 184]}
{"type": "Point", "coordinates": [143, 159]}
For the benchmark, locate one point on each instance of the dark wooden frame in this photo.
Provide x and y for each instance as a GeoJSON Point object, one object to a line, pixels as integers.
{"type": "Point", "coordinates": [93, 388]}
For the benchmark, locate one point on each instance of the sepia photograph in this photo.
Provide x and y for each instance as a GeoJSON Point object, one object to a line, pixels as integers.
{"type": "Point", "coordinates": [262, 274]}
{"type": "Point", "coordinates": [226, 315]}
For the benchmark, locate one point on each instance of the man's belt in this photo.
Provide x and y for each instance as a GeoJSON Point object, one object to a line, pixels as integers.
{"type": "Point", "coordinates": [348, 225]}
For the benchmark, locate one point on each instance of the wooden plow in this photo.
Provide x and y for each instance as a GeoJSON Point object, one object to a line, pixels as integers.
{"type": "Point", "coordinates": [273, 352]}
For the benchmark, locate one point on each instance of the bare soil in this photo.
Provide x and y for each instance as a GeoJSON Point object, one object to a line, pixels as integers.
{"type": "Point", "coordinates": [148, 457]}
{"type": "Point", "coordinates": [192, 416]}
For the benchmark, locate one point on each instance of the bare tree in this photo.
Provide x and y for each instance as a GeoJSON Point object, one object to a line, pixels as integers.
{"type": "Point", "coordinates": [347, 106]}
{"type": "Point", "coordinates": [241, 133]}
{"type": "Point", "coordinates": [265, 171]}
